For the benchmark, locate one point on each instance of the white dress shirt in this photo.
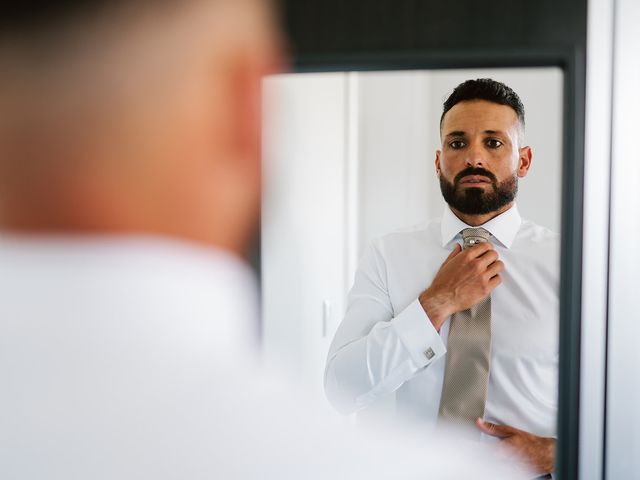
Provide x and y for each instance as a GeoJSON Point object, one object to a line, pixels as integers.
{"type": "Point", "coordinates": [132, 358]}
{"type": "Point", "coordinates": [386, 343]}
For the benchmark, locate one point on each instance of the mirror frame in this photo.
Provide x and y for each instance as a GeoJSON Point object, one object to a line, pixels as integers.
{"type": "Point", "coordinates": [572, 63]}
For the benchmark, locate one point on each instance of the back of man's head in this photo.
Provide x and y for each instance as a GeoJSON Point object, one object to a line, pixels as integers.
{"type": "Point", "coordinates": [485, 89]}
{"type": "Point", "coordinates": [134, 117]}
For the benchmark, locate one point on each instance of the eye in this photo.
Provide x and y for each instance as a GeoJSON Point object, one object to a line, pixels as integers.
{"type": "Point", "coordinates": [494, 143]}
{"type": "Point", "coordinates": [457, 144]}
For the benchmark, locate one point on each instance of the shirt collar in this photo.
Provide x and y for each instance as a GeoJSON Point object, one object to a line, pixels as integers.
{"type": "Point", "coordinates": [504, 227]}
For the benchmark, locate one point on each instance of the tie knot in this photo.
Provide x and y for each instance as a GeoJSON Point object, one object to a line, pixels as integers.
{"type": "Point", "coordinates": [473, 236]}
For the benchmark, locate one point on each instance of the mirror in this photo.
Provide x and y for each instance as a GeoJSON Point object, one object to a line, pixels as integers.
{"type": "Point", "coordinates": [349, 157]}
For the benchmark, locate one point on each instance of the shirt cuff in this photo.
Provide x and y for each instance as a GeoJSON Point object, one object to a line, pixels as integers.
{"type": "Point", "coordinates": [418, 335]}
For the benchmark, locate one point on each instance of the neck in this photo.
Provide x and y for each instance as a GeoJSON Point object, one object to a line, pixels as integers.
{"type": "Point", "coordinates": [477, 220]}
{"type": "Point", "coordinates": [95, 212]}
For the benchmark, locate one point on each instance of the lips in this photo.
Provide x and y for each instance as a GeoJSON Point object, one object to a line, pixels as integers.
{"type": "Point", "coordinates": [474, 180]}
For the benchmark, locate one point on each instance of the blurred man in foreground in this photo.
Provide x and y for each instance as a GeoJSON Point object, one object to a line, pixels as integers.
{"type": "Point", "coordinates": [129, 190]}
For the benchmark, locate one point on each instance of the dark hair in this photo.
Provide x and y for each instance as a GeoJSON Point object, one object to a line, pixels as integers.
{"type": "Point", "coordinates": [484, 89]}
{"type": "Point", "coordinates": [29, 16]}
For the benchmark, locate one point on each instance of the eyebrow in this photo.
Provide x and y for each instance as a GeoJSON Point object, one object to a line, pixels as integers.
{"type": "Point", "coordinates": [456, 133]}
{"type": "Point", "coordinates": [494, 132]}
{"type": "Point", "coordinates": [460, 133]}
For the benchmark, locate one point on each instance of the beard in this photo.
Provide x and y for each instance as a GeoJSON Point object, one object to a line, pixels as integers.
{"type": "Point", "coordinates": [475, 201]}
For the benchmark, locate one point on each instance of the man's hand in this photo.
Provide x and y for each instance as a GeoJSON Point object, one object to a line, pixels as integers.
{"type": "Point", "coordinates": [464, 279]}
{"type": "Point", "coordinates": [538, 452]}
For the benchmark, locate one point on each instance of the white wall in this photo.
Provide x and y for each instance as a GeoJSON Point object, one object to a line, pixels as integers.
{"type": "Point", "coordinates": [623, 378]}
{"type": "Point", "coordinates": [395, 167]}
{"type": "Point", "coordinates": [303, 220]}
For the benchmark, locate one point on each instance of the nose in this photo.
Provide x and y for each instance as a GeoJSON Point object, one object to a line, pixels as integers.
{"type": "Point", "coordinates": [475, 156]}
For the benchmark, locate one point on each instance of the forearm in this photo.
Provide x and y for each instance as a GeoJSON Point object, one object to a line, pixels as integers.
{"type": "Point", "coordinates": [361, 370]}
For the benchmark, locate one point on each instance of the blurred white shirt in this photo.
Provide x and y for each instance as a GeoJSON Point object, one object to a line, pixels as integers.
{"type": "Point", "coordinates": [386, 343]}
{"type": "Point", "coordinates": [133, 358]}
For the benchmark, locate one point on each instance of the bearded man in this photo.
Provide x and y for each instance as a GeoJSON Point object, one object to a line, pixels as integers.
{"type": "Point", "coordinates": [459, 318]}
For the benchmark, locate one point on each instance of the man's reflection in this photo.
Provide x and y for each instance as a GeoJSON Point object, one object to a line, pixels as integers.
{"type": "Point", "coordinates": [459, 317]}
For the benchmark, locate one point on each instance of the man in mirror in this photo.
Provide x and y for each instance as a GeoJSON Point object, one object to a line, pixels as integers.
{"type": "Point", "coordinates": [458, 318]}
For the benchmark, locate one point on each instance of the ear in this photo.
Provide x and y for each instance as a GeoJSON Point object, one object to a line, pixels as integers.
{"type": "Point", "coordinates": [438, 153]}
{"type": "Point", "coordinates": [524, 161]}
{"type": "Point", "coordinates": [246, 86]}
{"type": "Point", "coordinates": [246, 91]}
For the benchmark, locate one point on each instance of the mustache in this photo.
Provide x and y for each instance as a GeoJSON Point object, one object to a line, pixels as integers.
{"type": "Point", "coordinates": [475, 171]}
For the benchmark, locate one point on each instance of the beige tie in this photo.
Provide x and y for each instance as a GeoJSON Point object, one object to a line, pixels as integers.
{"type": "Point", "coordinates": [466, 374]}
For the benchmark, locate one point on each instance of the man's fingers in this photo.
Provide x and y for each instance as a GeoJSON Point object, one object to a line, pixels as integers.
{"type": "Point", "coordinates": [495, 281]}
{"type": "Point", "coordinates": [456, 250]}
{"type": "Point", "coordinates": [488, 258]}
{"type": "Point", "coordinates": [479, 249]}
{"type": "Point", "coordinates": [495, 268]}
{"type": "Point", "coordinates": [500, 431]}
